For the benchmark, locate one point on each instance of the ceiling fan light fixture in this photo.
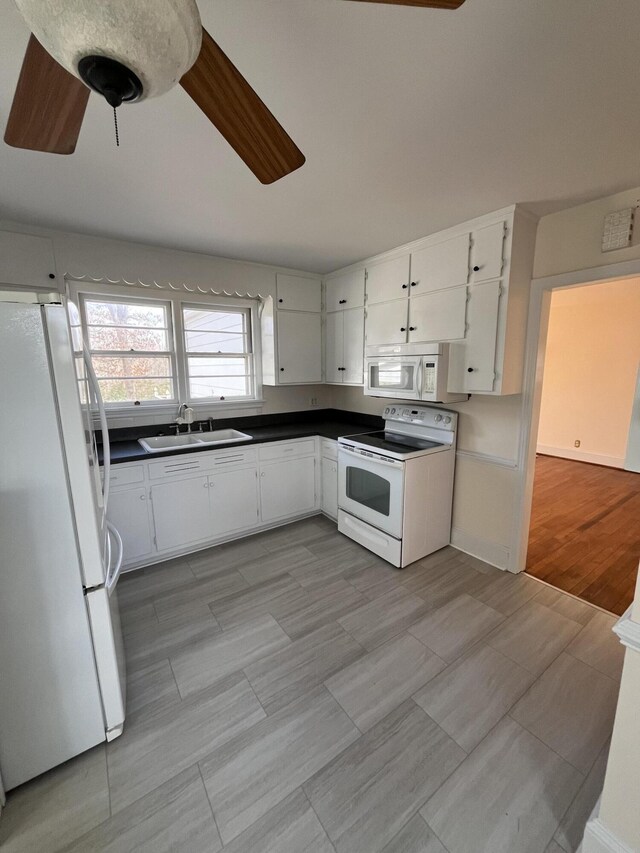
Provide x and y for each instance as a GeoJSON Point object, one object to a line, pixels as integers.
{"type": "Point", "coordinates": [154, 41]}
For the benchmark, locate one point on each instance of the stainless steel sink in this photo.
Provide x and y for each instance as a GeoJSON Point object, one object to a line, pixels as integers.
{"type": "Point", "coordinates": [194, 439]}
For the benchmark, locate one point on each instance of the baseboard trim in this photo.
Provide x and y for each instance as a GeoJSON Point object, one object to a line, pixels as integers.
{"type": "Point", "coordinates": [599, 839]}
{"type": "Point", "coordinates": [490, 552]}
{"type": "Point", "coordinates": [581, 456]}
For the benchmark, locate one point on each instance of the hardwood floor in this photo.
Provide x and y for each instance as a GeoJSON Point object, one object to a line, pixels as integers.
{"type": "Point", "coordinates": [585, 531]}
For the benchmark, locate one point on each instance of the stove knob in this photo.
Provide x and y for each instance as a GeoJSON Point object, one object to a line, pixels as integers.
{"type": "Point", "coordinates": [438, 418]}
{"type": "Point", "coordinates": [447, 420]}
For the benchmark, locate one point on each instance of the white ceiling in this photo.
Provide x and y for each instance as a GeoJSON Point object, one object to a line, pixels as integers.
{"type": "Point", "coordinates": [411, 120]}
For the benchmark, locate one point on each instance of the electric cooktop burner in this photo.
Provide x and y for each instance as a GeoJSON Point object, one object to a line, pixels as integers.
{"type": "Point", "coordinates": [394, 443]}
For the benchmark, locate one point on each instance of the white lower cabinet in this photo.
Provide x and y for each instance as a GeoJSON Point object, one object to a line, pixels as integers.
{"type": "Point", "coordinates": [129, 513]}
{"type": "Point", "coordinates": [329, 486]}
{"type": "Point", "coordinates": [181, 512]}
{"type": "Point", "coordinates": [234, 501]}
{"type": "Point", "coordinates": [287, 488]}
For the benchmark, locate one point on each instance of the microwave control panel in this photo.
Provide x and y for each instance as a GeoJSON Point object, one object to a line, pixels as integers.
{"type": "Point", "coordinates": [430, 377]}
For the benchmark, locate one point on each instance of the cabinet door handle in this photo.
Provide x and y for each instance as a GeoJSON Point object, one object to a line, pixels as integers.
{"type": "Point", "coordinates": [476, 269]}
{"type": "Point", "coordinates": [143, 497]}
{"type": "Point", "coordinates": [262, 473]}
{"type": "Point", "coordinates": [405, 286]}
{"type": "Point", "coordinates": [412, 328]}
{"type": "Point", "coordinates": [469, 369]}
{"type": "Point", "coordinates": [342, 302]}
{"type": "Point", "coordinates": [280, 300]}
{"type": "Point", "coordinates": [403, 328]}
{"type": "Point", "coordinates": [415, 283]}
{"type": "Point", "coordinates": [282, 370]}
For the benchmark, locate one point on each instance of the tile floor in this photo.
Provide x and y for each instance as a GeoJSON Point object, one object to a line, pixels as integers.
{"type": "Point", "coordinates": [291, 692]}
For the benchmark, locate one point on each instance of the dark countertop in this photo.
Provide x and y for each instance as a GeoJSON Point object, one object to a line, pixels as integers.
{"type": "Point", "coordinates": [127, 449]}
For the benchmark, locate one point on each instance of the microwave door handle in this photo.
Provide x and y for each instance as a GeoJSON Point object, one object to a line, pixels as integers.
{"type": "Point", "coordinates": [419, 378]}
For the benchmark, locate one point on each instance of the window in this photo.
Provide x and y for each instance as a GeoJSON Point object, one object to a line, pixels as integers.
{"type": "Point", "coordinates": [218, 352]}
{"type": "Point", "coordinates": [158, 352]}
{"type": "Point", "coordinates": [131, 344]}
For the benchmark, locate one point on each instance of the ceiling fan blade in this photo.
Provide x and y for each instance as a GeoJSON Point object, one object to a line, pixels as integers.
{"type": "Point", "coordinates": [427, 4]}
{"type": "Point", "coordinates": [48, 105]}
{"type": "Point", "coordinates": [229, 102]}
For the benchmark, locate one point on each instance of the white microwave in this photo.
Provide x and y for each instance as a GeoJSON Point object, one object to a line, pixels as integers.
{"type": "Point", "coordinates": [411, 377]}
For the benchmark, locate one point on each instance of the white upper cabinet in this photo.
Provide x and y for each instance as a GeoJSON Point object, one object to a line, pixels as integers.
{"type": "Point", "coordinates": [473, 363]}
{"type": "Point", "coordinates": [334, 347]}
{"type": "Point", "coordinates": [387, 323]}
{"type": "Point", "coordinates": [27, 260]}
{"type": "Point", "coordinates": [298, 293]}
{"type": "Point", "coordinates": [441, 265]}
{"type": "Point", "coordinates": [345, 291]}
{"type": "Point", "coordinates": [388, 279]}
{"type": "Point", "coordinates": [299, 344]}
{"type": "Point", "coordinates": [344, 347]}
{"type": "Point", "coordinates": [438, 316]}
{"type": "Point", "coordinates": [487, 252]}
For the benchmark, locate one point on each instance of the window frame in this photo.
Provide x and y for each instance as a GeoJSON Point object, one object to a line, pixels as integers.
{"type": "Point", "coordinates": [175, 299]}
{"type": "Point", "coordinates": [249, 354]}
{"type": "Point", "coordinates": [83, 297]}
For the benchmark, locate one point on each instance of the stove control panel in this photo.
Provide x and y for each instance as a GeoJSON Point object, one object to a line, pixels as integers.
{"type": "Point", "coordinates": [423, 415]}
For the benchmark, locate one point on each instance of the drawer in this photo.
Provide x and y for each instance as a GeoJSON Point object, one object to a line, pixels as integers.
{"type": "Point", "coordinates": [285, 450]}
{"type": "Point", "coordinates": [243, 457]}
{"type": "Point", "coordinates": [122, 475]}
{"type": "Point", "coordinates": [329, 448]}
{"type": "Point", "coordinates": [180, 465]}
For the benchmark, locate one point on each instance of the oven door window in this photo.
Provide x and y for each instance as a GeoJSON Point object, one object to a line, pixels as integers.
{"type": "Point", "coordinates": [392, 376]}
{"type": "Point", "coordinates": [368, 489]}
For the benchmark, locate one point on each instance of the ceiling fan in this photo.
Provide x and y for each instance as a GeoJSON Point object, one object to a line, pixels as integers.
{"type": "Point", "coordinates": [131, 51]}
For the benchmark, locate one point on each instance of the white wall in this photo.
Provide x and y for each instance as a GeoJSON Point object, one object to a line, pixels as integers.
{"type": "Point", "coordinates": [591, 362]}
{"type": "Point", "coordinates": [80, 256]}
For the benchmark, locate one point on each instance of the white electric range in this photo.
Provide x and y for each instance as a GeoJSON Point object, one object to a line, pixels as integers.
{"type": "Point", "coordinates": [395, 486]}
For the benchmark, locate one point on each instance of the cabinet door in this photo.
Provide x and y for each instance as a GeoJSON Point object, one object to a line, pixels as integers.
{"type": "Point", "coordinates": [334, 347]}
{"type": "Point", "coordinates": [438, 316]}
{"type": "Point", "coordinates": [386, 323]}
{"type": "Point", "coordinates": [487, 252]}
{"type": "Point", "coordinates": [330, 487]}
{"type": "Point", "coordinates": [443, 265]}
{"type": "Point", "coordinates": [298, 293]}
{"type": "Point", "coordinates": [287, 488]}
{"type": "Point", "coordinates": [233, 498]}
{"type": "Point", "coordinates": [345, 291]}
{"type": "Point", "coordinates": [473, 363]}
{"type": "Point", "coordinates": [299, 348]}
{"type": "Point", "coordinates": [129, 513]}
{"type": "Point", "coordinates": [388, 280]}
{"type": "Point", "coordinates": [353, 360]}
{"type": "Point", "coordinates": [27, 260]}
{"type": "Point", "coordinates": [181, 512]}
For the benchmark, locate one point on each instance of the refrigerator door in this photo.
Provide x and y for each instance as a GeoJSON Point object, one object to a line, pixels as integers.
{"type": "Point", "coordinates": [85, 490]}
{"type": "Point", "coordinates": [109, 652]}
{"type": "Point", "coordinates": [50, 700]}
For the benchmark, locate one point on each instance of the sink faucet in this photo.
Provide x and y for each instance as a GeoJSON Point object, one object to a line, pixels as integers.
{"type": "Point", "coordinates": [181, 419]}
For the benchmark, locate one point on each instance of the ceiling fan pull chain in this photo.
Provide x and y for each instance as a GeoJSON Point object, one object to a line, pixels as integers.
{"type": "Point", "coordinates": [115, 121]}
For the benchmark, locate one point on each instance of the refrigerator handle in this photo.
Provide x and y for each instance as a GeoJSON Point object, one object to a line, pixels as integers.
{"type": "Point", "coordinates": [106, 447]}
{"type": "Point", "coordinates": [114, 574]}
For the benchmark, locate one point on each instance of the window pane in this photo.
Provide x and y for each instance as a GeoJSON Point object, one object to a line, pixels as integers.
{"type": "Point", "coordinates": [217, 367]}
{"type": "Point", "coordinates": [130, 390]}
{"type": "Point", "coordinates": [214, 342]}
{"type": "Point", "coordinates": [213, 321]}
{"type": "Point", "coordinates": [124, 338]}
{"type": "Point", "coordinates": [219, 386]}
{"type": "Point", "coordinates": [132, 366]}
{"type": "Point", "coordinates": [125, 314]}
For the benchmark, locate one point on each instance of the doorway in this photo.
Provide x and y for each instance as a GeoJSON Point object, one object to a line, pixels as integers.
{"type": "Point", "coordinates": [584, 534]}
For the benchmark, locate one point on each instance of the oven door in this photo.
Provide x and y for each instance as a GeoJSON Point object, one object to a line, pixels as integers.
{"type": "Point", "coordinates": [371, 487]}
{"type": "Point", "coordinates": [397, 377]}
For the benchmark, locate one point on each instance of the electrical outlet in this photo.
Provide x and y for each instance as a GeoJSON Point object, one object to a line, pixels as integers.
{"type": "Point", "coordinates": [576, 443]}
{"type": "Point", "coordinates": [313, 401]}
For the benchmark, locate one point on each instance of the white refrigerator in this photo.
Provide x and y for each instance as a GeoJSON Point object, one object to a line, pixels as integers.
{"type": "Point", "coordinates": [62, 676]}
